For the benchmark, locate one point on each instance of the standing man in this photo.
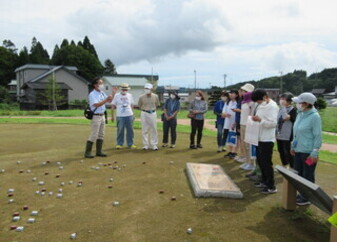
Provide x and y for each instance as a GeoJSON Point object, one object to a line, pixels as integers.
{"type": "Point", "coordinates": [97, 101]}
{"type": "Point", "coordinates": [123, 102]}
{"type": "Point", "coordinates": [148, 104]}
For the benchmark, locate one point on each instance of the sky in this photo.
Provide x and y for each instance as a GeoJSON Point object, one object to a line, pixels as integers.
{"type": "Point", "coordinates": [188, 39]}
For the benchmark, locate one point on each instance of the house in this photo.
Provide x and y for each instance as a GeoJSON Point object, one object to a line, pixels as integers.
{"type": "Point", "coordinates": [331, 97]}
{"type": "Point", "coordinates": [136, 83]}
{"type": "Point", "coordinates": [273, 93]}
{"type": "Point", "coordinates": [32, 80]}
{"type": "Point", "coordinates": [12, 90]}
{"type": "Point", "coordinates": [318, 92]}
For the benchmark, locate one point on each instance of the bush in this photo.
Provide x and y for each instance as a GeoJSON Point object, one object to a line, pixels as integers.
{"type": "Point", "coordinates": [9, 106]}
{"type": "Point", "coordinates": [321, 103]}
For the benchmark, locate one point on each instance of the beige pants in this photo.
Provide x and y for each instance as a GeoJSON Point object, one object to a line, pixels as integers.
{"type": "Point", "coordinates": [97, 128]}
{"type": "Point", "coordinates": [245, 146]}
{"type": "Point", "coordinates": [149, 125]}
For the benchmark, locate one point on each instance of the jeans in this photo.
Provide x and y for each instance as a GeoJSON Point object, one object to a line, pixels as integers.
{"type": "Point", "coordinates": [197, 125]}
{"type": "Point", "coordinates": [167, 126]}
{"type": "Point", "coordinates": [221, 138]}
{"type": "Point", "coordinates": [264, 153]}
{"type": "Point", "coordinates": [122, 124]}
{"type": "Point", "coordinates": [283, 147]}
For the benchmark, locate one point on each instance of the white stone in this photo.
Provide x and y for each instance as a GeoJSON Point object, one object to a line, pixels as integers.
{"type": "Point", "coordinates": [59, 195]}
{"type": "Point", "coordinates": [10, 190]}
{"type": "Point", "coordinates": [189, 231]}
{"type": "Point", "coordinates": [31, 220]}
{"type": "Point", "coordinates": [82, 161]}
{"type": "Point", "coordinates": [41, 183]}
{"type": "Point", "coordinates": [62, 184]}
{"type": "Point", "coordinates": [37, 192]}
{"type": "Point", "coordinates": [60, 190]}
{"type": "Point", "coordinates": [18, 162]}
{"type": "Point", "coordinates": [20, 229]}
{"type": "Point", "coordinates": [2, 171]}
{"type": "Point", "coordinates": [73, 236]}
{"type": "Point", "coordinates": [115, 203]}
{"type": "Point", "coordinates": [11, 201]}
{"type": "Point", "coordinates": [29, 171]}
{"type": "Point", "coordinates": [50, 193]}
{"type": "Point", "coordinates": [58, 163]}
{"type": "Point", "coordinates": [111, 179]}
{"type": "Point", "coordinates": [44, 163]}
{"type": "Point", "coordinates": [70, 182]}
{"type": "Point", "coordinates": [171, 162]}
{"type": "Point", "coordinates": [34, 213]}
{"type": "Point", "coordinates": [16, 218]}
{"type": "Point", "coordinates": [43, 193]}
{"type": "Point", "coordinates": [60, 167]}
{"type": "Point", "coordinates": [97, 168]}
{"type": "Point", "coordinates": [34, 179]}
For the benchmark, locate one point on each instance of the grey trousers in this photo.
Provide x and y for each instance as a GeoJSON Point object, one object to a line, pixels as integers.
{"type": "Point", "coordinates": [97, 128]}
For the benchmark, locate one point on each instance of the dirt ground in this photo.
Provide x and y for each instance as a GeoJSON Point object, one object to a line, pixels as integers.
{"type": "Point", "coordinates": [143, 214]}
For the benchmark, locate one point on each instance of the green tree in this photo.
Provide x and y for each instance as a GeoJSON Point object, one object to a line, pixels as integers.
{"type": "Point", "coordinates": [9, 45]}
{"type": "Point", "coordinates": [38, 55]}
{"type": "Point", "coordinates": [109, 67]}
{"type": "Point", "coordinates": [88, 46]}
{"type": "Point", "coordinates": [64, 43]}
{"type": "Point", "coordinates": [321, 103]}
{"type": "Point", "coordinates": [8, 62]}
{"type": "Point", "coordinates": [53, 95]}
{"type": "Point", "coordinates": [4, 95]}
{"type": "Point", "coordinates": [23, 58]}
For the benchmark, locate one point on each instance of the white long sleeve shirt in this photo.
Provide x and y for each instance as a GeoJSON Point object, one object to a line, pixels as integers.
{"type": "Point", "coordinates": [268, 114]}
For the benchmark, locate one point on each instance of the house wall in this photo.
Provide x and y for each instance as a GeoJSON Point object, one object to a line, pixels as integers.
{"type": "Point", "coordinates": [26, 75]}
{"type": "Point", "coordinates": [80, 88]}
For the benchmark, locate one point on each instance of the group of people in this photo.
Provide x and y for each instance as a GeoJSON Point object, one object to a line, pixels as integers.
{"type": "Point", "coordinates": [248, 123]}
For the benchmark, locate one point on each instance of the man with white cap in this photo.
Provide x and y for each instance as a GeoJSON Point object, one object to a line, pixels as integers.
{"type": "Point", "coordinates": [123, 103]}
{"type": "Point", "coordinates": [307, 140]}
{"type": "Point", "coordinates": [148, 104]}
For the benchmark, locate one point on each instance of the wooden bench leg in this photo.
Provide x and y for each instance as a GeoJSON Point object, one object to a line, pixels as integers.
{"type": "Point", "coordinates": [333, 233]}
{"type": "Point", "coordinates": [288, 195]}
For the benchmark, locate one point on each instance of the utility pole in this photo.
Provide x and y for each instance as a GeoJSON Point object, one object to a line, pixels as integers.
{"type": "Point", "coordinates": [195, 80]}
{"type": "Point", "coordinates": [281, 82]}
{"type": "Point", "coordinates": [224, 80]}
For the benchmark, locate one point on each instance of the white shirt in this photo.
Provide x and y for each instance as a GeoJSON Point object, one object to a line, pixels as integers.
{"type": "Point", "coordinates": [123, 104]}
{"type": "Point", "coordinates": [246, 110]}
{"type": "Point", "coordinates": [97, 97]}
{"type": "Point", "coordinates": [227, 108]}
{"type": "Point", "coordinates": [268, 114]}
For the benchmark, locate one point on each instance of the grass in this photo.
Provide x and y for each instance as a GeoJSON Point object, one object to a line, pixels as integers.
{"type": "Point", "coordinates": [329, 139]}
{"type": "Point", "coordinates": [329, 119]}
{"type": "Point", "coordinates": [143, 214]}
{"type": "Point", "coordinates": [328, 156]}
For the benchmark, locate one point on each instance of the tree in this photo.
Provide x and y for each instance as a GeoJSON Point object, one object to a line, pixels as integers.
{"type": "Point", "coordinates": [64, 43]}
{"type": "Point", "coordinates": [38, 55]}
{"type": "Point", "coordinates": [53, 94]}
{"type": "Point", "coordinates": [8, 62]}
{"type": "Point", "coordinates": [9, 45]}
{"type": "Point", "coordinates": [4, 95]}
{"type": "Point", "coordinates": [72, 43]}
{"type": "Point", "coordinates": [109, 67]}
{"type": "Point", "coordinates": [23, 58]}
{"type": "Point", "coordinates": [88, 46]}
{"type": "Point", "coordinates": [321, 103]}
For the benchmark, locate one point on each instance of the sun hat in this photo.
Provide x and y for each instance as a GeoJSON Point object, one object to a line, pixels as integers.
{"type": "Point", "coordinates": [248, 87]}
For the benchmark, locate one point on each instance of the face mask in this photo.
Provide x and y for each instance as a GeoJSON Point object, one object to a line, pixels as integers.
{"type": "Point", "coordinates": [224, 99]}
{"type": "Point", "coordinates": [101, 87]}
{"type": "Point", "coordinates": [282, 103]}
{"type": "Point", "coordinates": [197, 98]}
{"type": "Point", "coordinates": [147, 91]}
{"type": "Point", "coordinates": [172, 96]}
{"type": "Point", "coordinates": [299, 107]}
{"type": "Point", "coordinates": [124, 92]}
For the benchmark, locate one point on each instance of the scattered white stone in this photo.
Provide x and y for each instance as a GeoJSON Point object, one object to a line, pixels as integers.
{"type": "Point", "coordinates": [73, 236]}
{"type": "Point", "coordinates": [115, 203]}
{"type": "Point", "coordinates": [10, 190]}
{"type": "Point", "coordinates": [189, 231]}
{"type": "Point", "coordinates": [59, 195]}
{"type": "Point", "coordinates": [82, 161]}
{"type": "Point", "coordinates": [93, 167]}
{"type": "Point", "coordinates": [28, 171]}
{"type": "Point", "coordinates": [19, 229]}
{"type": "Point", "coordinates": [70, 182]}
{"type": "Point", "coordinates": [37, 192]}
{"type": "Point", "coordinates": [11, 201]}
{"type": "Point", "coordinates": [79, 184]}
{"type": "Point", "coordinates": [16, 218]}
{"type": "Point", "coordinates": [171, 162]}
{"type": "Point", "coordinates": [31, 220]}
{"type": "Point", "coordinates": [50, 193]}
{"type": "Point", "coordinates": [60, 190]}
{"type": "Point", "coordinates": [41, 183]}
{"type": "Point", "coordinates": [111, 179]}
{"type": "Point", "coordinates": [2, 171]}
{"type": "Point", "coordinates": [62, 184]}
{"type": "Point", "coordinates": [58, 163]}
{"type": "Point", "coordinates": [97, 168]}
{"type": "Point", "coordinates": [124, 165]}
{"type": "Point", "coordinates": [44, 163]}
{"type": "Point", "coordinates": [100, 164]}
{"type": "Point", "coordinates": [34, 179]}
{"type": "Point", "coordinates": [60, 167]}
{"type": "Point", "coordinates": [18, 162]}
{"type": "Point", "coordinates": [42, 193]}
{"type": "Point", "coordinates": [34, 213]}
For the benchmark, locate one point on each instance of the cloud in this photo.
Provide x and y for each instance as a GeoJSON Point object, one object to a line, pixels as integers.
{"type": "Point", "coordinates": [151, 30]}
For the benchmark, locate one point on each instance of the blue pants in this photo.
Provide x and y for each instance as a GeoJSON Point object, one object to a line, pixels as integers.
{"type": "Point", "coordinates": [221, 137]}
{"type": "Point", "coordinates": [122, 124]}
{"type": "Point", "coordinates": [305, 171]}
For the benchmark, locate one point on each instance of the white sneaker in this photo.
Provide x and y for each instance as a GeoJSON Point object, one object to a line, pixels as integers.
{"type": "Point", "coordinates": [145, 147]}
{"type": "Point", "coordinates": [240, 159]}
{"type": "Point", "coordinates": [154, 147]}
{"type": "Point", "coordinates": [249, 167]}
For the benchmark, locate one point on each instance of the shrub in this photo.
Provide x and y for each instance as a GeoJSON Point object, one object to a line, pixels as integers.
{"type": "Point", "coordinates": [321, 103]}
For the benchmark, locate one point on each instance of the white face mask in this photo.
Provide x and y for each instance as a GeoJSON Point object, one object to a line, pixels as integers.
{"type": "Point", "coordinates": [172, 96]}
{"type": "Point", "coordinates": [299, 107]}
{"type": "Point", "coordinates": [282, 103]}
{"type": "Point", "coordinates": [101, 87]}
{"type": "Point", "coordinates": [224, 99]}
{"type": "Point", "coordinates": [124, 92]}
{"type": "Point", "coordinates": [147, 91]}
{"type": "Point", "coordinates": [197, 98]}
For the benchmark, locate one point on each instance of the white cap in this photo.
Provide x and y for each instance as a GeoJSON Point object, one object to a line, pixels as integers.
{"type": "Point", "coordinates": [148, 86]}
{"type": "Point", "coordinates": [248, 87]}
{"type": "Point", "coordinates": [305, 97]}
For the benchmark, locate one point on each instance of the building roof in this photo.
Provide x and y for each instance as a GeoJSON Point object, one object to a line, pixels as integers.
{"type": "Point", "coordinates": [43, 67]}
{"type": "Point", "coordinates": [132, 80]}
{"type": "Point", "coordinates": [12, 83]}
{"type": "Point", "coordinates": [318, 91]}
{"type": "Point", "coordinates": [149, 77]}
{"type": "Point", "coordinates": [56, 68]}
{"type": "Point", "coordinates": [44, 85]}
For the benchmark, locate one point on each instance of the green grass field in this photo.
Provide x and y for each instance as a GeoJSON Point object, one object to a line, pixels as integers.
{"type": "Point", "coordinates": [143, 214]}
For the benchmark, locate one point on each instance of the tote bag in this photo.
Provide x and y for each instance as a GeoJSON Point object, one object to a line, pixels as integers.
{"type": "Point", "coordinates": [232, 138]}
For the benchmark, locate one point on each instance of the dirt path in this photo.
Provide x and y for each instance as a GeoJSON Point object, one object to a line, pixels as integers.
{"type": "Point", "coordinates": [209, 124]}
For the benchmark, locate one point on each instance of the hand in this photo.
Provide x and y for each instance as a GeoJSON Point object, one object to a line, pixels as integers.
{"type": "Point", "coordinates": [109, 98]}
{"type": "Point", "coordinates": [287, 118]}
{"type": "Point", "coordinates": [112, 119]}
{"type": "Point", "coordinates": [292, 152]}
{"type": "Point", "coordinates": [314, 159]}
{"type": "Point", "coordinates": [237, 110]}
{"type": "Point", "coordinates": [195, 112]}
{"type": "Point", "coordinates": [256, 118]}
{"type": "Point", "coordinates": [167, 117]}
